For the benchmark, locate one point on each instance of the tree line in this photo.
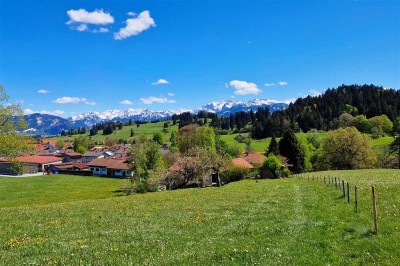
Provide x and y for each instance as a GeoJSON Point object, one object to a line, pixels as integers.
{"type": "Point", "coordinates": [369, 108]}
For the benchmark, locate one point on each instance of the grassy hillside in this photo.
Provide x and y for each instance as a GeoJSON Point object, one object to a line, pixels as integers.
{"type": "Point", "coordinates": [40, 190]}
{"type": "Point", "coordinates": [288, 222]}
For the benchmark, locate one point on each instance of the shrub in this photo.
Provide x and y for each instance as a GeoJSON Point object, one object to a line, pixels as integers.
{"type": "Point", "coordinates": [234, 173]}
{"type": "Point", "coordinates": [273, 164]}
{"type": "Point", "coordinates": [141, 187]}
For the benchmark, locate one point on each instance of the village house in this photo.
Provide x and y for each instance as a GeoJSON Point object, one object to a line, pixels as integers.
{"type": "Point", "coordinates": [110, 167]}
{"type": "Point", "coordinates": [240, 162]}
{"type": "Point", "coordinates": [31, 164]}
{"type": "Point", "coordinates": [68, 157]}
{"type": "Point", "coordinates": [255, 159]}
{"type": "Point", "coordinates": [96, 153]}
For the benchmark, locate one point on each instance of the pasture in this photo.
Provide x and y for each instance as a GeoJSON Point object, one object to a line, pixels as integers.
{"type": "Point", "coordinates": [288, 221]}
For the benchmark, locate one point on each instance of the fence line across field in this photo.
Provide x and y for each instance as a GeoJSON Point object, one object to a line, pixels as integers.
{"type": "Point", "coordinates": [344, 187]}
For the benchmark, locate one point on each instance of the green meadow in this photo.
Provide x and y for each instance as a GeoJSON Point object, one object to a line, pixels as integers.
{"type": "Point", "coordinates": [67, 220]}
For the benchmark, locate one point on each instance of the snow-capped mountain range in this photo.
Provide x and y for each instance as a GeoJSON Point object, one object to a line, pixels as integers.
{"type": "Point", "coordinates": [42, 124]}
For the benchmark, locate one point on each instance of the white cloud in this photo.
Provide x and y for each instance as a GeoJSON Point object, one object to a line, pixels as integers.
{"type": "Point", "coordinates": [127, 102]}
{"type": "Point", "coordinates": [97, 17]}
{"type": "Point", "coordinates": [55, 112]}
{"type": "Point", "coordinates": [244, 87]}
{"type": "Point", "coordinates": [82, 27]}
{"type": "Point", "coordinates": [160, 82]}
{"type": "Point", "coordinates": [28, 111]}
{"type": "Point", "coordinates": [170, 94]}
{"type": "Point", "coordinates": [100, 30]}
{"type": "Point", "coordinates": [280, 83]}
{"type": "Point", "coordinates": [151, 99]}
{"type": "Point", "coordinates": [67, 99]}
{"type": "Point", "coordinates": [135, 25]}
{"type": "Point", "coordinates": [315, 93]}
{"type": "Point", "coordinates": [43, 91]}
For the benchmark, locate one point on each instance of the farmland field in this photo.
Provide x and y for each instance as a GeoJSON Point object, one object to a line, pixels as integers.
{"type": "Point", "coordinates": [287, 221]}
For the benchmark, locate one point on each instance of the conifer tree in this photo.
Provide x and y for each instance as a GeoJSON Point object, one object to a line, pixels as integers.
{"type": "Point", "coordinates": [289, 147]}
{"type": "Point", "coordinates": [273, 147]}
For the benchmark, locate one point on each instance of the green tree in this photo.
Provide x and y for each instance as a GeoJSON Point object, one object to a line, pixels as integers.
{"type": "Point", "coordinates": [289, 147]}
{"type": "Point", "coordinates": [158, 138]}
{"type": "Point", "coordinates": [396, 126]}
{"type": "Point", "coordinates": [173, 139]}
{"type": "Point", "coordinates": [382, 122]}
{"type": "Point", "coordinates": [146, 161]}
{"type": "Point", "coordinates": [81, 141]}
{"type": "Point", "coordinates": [273, 147]}
{"type": "Point", "coordinates": [226, 150]}
{"type": "Point", "coordinates": [362, 124]}
{"type": "Point", "coordinates": [346, 148]}
{"type": "Point", "coordinates": [81, 149]}
{"type": "Point", "coordinates": [314, 138]}
{"type": "Point", "coordinates": [273, 164]}
{"type": "Point", "coordinates": [191, 136]}
{"type": "Point", "coordinates": [12, 144]}
{"type": "Point", "coordinates": [395, 148]}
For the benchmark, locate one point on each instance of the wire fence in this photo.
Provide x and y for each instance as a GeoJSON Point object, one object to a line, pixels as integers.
{"type": "Point", "coordinates": [347, 192]}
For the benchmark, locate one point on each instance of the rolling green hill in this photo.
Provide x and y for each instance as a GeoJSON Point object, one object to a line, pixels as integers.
{"type": "Point", "coordinates": [149, 129]}
{"type": "Point", "coordinates": [289, 221]}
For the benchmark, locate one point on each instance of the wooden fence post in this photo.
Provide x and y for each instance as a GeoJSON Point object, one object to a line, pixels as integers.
{"type": "Point", "coordinates": [375, 210]}
{"type": "Point", "coordinates": [348, 193]}
{"type": "Point", "coordinates": [344, 190]}
{"type": "Point", "coordinates": [335, 183]}
{"type": "Point", "coordinates": [324, 180]}
{"type": "Point", "coordinates": [355, 198]}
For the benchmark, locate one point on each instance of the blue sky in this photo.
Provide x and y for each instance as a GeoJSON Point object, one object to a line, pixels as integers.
{"type": "Point", "coordinates": [66, 57]}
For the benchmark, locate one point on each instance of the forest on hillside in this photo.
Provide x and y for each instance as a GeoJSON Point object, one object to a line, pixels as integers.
{"type": "Point", "coordinates": [345, 104]}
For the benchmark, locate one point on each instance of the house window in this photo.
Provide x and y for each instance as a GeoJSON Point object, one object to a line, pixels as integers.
{"type": "Point", "coordinates": [97, 169]}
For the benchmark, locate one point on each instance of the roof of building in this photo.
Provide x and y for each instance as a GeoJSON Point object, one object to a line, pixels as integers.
{"type": "Point", "coordinates": [80, 165]}
{"type": "Point", "coordinates": [94, 152]}
{"type": "Point", "coordinates": [121, 148]}
{"type": "Point", "coordinates": [240, 162]}
{"type": "Point", "coordinates": [70, 154]}
{"type": "Point", "coordinates": [254, 158]}
{"type": "Point", "coordinates": [36, 159]}
{"type": "Point", "coordinates": [66, 166]}
{"type": "Point", "coordinates": [109, 163]}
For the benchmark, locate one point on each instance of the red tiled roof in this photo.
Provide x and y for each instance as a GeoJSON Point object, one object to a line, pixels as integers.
{"type": "Point", "coordinates": [240, 162]}
{"type": "Point", "coordinates": [36, 159]}
{"type": "Point", "coordinates": [254, 158]}
{"type": "Point", "coordinates": [109, 163]}
{"type": "Point", "coordinates": [80, 165]}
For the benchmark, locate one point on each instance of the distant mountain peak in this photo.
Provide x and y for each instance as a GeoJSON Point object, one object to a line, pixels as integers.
{"type": "Point", "coordinates": [48, 124]}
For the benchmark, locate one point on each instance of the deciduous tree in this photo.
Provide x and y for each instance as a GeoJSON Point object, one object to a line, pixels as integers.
{"type": "Point", "coordinates": [346, 148]}
{"type": "Point", "coordinates": [11, 119]}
